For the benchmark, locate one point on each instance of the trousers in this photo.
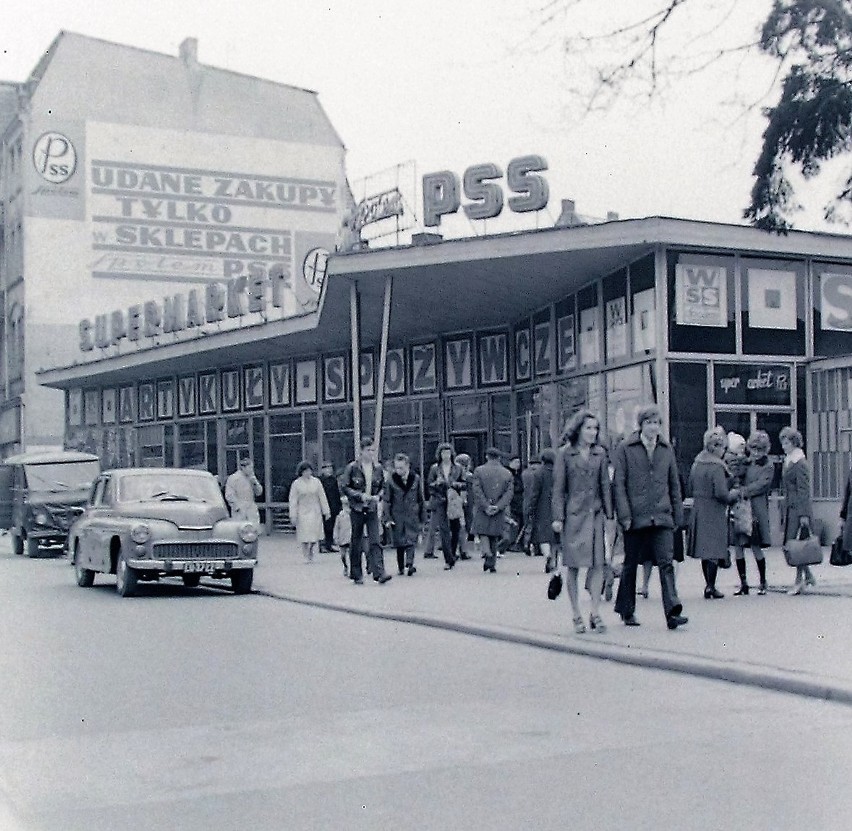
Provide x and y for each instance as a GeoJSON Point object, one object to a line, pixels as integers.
{"type": "Point", "coordinates": [374, 555]}
{"type": "Point", "coordinates": [654, 544]}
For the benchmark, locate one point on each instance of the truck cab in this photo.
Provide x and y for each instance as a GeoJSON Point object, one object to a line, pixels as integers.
{"type": "Point", "coordinates": [42, 494]}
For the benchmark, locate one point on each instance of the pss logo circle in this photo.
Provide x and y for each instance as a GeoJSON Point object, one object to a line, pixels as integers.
{"type": "Point", "coordinates": [314, 268]}
{"type": "Point", "coordinates": [54, 157]}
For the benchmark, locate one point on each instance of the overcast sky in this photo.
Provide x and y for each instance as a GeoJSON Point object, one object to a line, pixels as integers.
{"type": "Point", "coordinates": [449, 84]}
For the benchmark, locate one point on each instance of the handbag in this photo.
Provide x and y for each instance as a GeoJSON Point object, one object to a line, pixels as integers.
{"type": "Point", "coordinates": [839, 557]}
{"type": "Point", "coordinates": [741, 517]}
{"type": "Point", "coordinates": [554, 585]}
{"type": "Point", "coordinates": [455, 505]}
{"type": "Point", "coordinates": [803, 552]}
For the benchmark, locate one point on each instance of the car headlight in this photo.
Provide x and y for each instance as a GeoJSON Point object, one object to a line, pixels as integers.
{"type": "Point", "coordinates": [140, 533]}
{"type": "Point", "coordinates": [248, 533]}
{"type": "Point", "coordinates": [42, 518]}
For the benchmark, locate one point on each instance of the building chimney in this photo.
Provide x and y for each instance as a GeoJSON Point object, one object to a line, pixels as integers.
{"type": "Point", "coordinates": [189, 51]}
{"type": "Point", "coordinates": [568, 217]}
{"type": "Point", "coordinates": [611, 216]}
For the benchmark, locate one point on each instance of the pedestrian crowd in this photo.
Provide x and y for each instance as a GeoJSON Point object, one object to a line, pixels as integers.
{"type": "Point", "coordinates": [580, 507]}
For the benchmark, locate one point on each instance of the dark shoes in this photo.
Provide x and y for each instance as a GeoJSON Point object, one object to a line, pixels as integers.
{"type": "Point", "coordinates": [358, 581]}
{"type": "Point", "coordinates": [742, 590]}
{"type": "Point", "coordinates": [761, 589]}
{"type": "Point", "coordinates": [429, 557]}
{"type": "Point", "coordinates": [383, 579]}
{"type": "Point", "coordinates": [673, 621]}
{"type": "Point", "coordinates": [712, 593]}
{"type": "Point", "coordinates": [411, 570]}
{"type": "Point", "coordinates": [464, 556]}
{"type": "Point", "coordinates": [630, 620]}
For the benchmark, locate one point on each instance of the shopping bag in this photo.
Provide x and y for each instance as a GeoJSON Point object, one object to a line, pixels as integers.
{"type": "Point", "coordinates": [803, 552]}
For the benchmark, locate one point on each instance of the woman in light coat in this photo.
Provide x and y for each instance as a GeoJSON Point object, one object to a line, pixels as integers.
{"type": "Point", "coordinates": [798, 511]}
{"type": "Point", "coordinates": [582, 497]}
{"type": "Point", "coordinates": [308, 509]}
{"type": "Point", "coordinates": [708, 524]}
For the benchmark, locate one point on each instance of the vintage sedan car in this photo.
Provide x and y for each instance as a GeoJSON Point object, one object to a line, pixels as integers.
{"type": "Point", "coordinates": [144, 524]}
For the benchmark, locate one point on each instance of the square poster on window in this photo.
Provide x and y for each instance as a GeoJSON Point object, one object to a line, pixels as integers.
{"type": "Point", "coordinates": [771, 299]}
{"type": "Point", "coordinates": [701, 295]}
{"type": "Point", "coordinates": [590, 352]}
{"type": "Point", "coordinates": [616, 328]}
{"type": "Point", "coordinates": [644, 322]}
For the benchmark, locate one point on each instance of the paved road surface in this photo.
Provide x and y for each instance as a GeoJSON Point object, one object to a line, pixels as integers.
{"type": "Point", "coordinates": [196, 709]}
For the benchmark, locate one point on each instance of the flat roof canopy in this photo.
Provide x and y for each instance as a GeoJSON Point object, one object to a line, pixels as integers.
{"type": "Point", "coordinates": [452, 286]}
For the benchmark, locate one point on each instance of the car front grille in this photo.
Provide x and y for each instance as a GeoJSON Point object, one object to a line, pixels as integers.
{"type": "Point", "coordinates": [197, 550]}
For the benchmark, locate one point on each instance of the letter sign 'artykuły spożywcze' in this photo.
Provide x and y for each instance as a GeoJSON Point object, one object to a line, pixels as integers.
{"type": "Point", "coordinates": [480, 184]}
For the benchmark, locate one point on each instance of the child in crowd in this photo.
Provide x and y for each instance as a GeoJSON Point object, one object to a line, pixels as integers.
{"type": "Point", "coordinates": [342, 533]}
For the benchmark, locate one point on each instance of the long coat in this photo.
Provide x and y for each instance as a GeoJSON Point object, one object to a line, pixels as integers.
{"type": "Point", "coordinates": [757, 482]}
{"type": "Point", "coordinates": [538, 502]}
{"type": "Point", "coordinates": [582, 496]}
{"type": "Point", "coordinates": [846, 512]}
{"type": "Point", "coordinates": [403, 503]}
{"type": "Point", "coordinates": [308, 507]}
{"type": "Point", "coordinates": [796, 484]}
{"type": "Point", "coordinates": [708, 524]}
{"type": "Point", "coordinates": [240, 491]}
{"type": "Point", "coordinates": [647, 492]}
{"type": "Point", "coordinates": [492, 485]}
{"type": "Point", "coordinates": [332, 493]}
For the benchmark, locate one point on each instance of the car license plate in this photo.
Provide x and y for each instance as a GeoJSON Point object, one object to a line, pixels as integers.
{"type": "Point", "coordinates": [200, 566]}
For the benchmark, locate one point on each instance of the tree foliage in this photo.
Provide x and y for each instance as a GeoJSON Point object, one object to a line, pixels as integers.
{"type": "Point", "coordinates": [810, 42]}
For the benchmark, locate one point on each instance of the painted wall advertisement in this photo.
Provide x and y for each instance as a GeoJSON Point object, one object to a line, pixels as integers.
{"type": "Point", "coordinates": [701, 295]}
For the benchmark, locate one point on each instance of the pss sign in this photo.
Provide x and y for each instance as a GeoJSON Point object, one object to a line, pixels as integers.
{"type": "Point", "coordinates": [54, 157]}
{"type": "Point", "coordinates": [481, 185]}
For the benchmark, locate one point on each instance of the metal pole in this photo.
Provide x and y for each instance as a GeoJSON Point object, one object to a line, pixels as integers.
{"type": "Point", "coordinates": [354, 327]}
{"type": "Point", "coordinates": [383, 355]}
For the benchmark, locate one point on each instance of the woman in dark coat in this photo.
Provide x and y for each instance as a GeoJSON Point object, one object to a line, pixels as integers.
{"type": "Point", "coordinates": [538, 506]}
{"type": "Point", "coordinates": [756, 484]}
{"type": "Point", "coordinates": [582, 497]}
{"type": "Point", "coordinates": [798, 511]}
{"type": "Point", "coordinates": [708, 524]}
{"type": "Point", "coordinates": [846, 515]}
{"type": "Point", "coordinates": [403, 511]}
{"type": "Point", "coordinates": [443, 475]}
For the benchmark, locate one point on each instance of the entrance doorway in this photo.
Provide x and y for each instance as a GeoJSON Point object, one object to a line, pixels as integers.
{"type": "Point", "coordinates": [471, 443]}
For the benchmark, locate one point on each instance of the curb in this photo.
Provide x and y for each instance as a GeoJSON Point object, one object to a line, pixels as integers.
{"type": "Point", "coordinates": [763, 678]}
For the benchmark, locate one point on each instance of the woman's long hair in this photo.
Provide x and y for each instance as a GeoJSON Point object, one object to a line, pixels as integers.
{"type": "Point", "coordinates": [571, 433]}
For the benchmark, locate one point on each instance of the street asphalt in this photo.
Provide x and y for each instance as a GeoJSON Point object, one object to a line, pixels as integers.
{"type": "Point", "coordinates": [799, 645]}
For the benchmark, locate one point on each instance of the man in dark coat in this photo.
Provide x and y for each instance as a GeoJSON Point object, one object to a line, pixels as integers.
{"type": "Point", "coordinates": [363, 482]}
{"type": "Point", "coordinates": [538, 506]}
{"type": "Point", "coordinates": [492, 495]}
{"type": "Point", "coordinates": [649, 507]}
{"type": "Point", "coordinates": [403, 511]}
{"type": "Point", "coordinates": [332, 493]}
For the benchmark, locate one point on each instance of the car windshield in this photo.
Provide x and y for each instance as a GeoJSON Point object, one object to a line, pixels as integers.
{"type": "Point", "coordinates": [61, 476]}
{"type": "Point", "coordinates": [172, 487]}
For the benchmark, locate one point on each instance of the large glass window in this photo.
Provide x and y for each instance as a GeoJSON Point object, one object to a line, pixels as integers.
{"type": "Point", "coordinates": [687, 412]}
{"type": "Point", "coordinates": [285, 453]}
{"type": "Point", "coordinates": [701, 303]}
{"type": "Point", "coordinates": [588, 311]}
{"type": "Point", "coordinates": [832, 309]}
{"type": "Point", "coordinates": [773, 307]}
{"type": "Point", "coordinates": [643, 311]}
{"type": "Point", "coordinates": [501, 421]}
{"type": "Point", "coordinates": [615, 316]}
{"type": "Point", "coordinates": [627, 390]}
{"type": "Point", "coordinates": [192, 445]}
{"type": "Point", "coordinates": [151, 446]}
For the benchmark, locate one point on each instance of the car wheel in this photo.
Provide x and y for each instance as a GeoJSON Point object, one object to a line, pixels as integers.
{"type": "Point", "coordinates": [85, 576]}
{"type": "Point", "coordinates": [241, 580]}
{"type": "Point", "coordinates": [126, 578]}
{"type": "Point", "coordinates": [19, 545]}
{"type": "Point", "coordinates": [32, 546]}
{"type": "Point", "coordinates": [191, 580]}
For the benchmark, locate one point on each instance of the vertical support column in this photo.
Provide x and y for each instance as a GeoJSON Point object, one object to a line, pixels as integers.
{"type": "Point", "coordinates": [383, 356]}
{"type": "Point", "coordinates": [355, 332]}
{"type": "Point", "coordinates": [662, 331]}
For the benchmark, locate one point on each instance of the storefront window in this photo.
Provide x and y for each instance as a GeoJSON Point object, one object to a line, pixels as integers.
{"type": "Point", "coordinates": [701, 303]}
{"type": "Point", "coordinates": [151, 446]}
{"type": "Point", "coordinates": [212, 448]}
{"type": "Point", "coordinates": [192, 445]}
{"type": "Point", "coordinates": [285, 453]}
{"type": "Point", "coordinates": [626, 391]}
{"type": "Point", "coordinates": [832, 310]}
{"type": "Point", "coordinates": [687, 412]}
{"type": "Point", "coordinates": [588, 312]}
{"type": "Point", "coordinates": [773, 307]}
{"type": "Point", "coordinates": [501, 420]}
{"type": "Point", "coordinates": [566, 334]}
{"type": "Point", "coordinates": [615, 316]}
{"type": "Point", "coordinates": [643, 312]}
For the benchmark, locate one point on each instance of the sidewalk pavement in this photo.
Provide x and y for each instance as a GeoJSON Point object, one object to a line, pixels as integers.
{"type": "Point", "coordinates": [800, 645]}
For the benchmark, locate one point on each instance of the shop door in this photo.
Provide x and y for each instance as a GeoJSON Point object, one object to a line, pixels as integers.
{"type": "Point", "coordinates": [471, 443]}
